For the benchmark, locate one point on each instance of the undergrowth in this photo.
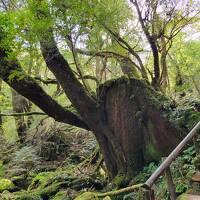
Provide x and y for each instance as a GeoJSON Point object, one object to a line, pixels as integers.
{"type": "Point", "coordinates": [181, 169]}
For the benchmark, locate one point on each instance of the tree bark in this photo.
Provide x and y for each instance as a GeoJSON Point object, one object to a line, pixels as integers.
{"type": "Point", "coordinates": [164, 81]}
{"type": "Point", "coordinates": [29, 88]}
{"type": "Point", "coordinates": [152, 42]}
{"type": "Point", "coordinates": [135, 116]}
{"type": "Point", "coordinates": [20, 105]}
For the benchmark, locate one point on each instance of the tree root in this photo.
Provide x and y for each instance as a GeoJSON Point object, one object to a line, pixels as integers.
{"type": "Point", "coordinates": [110, 194]}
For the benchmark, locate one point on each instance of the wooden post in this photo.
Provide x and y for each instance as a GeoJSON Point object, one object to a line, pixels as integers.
{"type": "Point", "coordinates": [149, 194]}
{"type": "Point", "coordinates": [196, 145]}
{"type": "Point", "coordinates": [170, 184]}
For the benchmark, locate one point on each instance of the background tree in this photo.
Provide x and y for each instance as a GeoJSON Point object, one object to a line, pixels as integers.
{"type": "Point", "coordinates": [161, 22]}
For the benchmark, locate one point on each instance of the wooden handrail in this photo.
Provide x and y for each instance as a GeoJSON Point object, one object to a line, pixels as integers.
{"type": "Point", "coordinates": [172, 156]}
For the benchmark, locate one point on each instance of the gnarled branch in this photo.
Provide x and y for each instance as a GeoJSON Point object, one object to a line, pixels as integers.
{"type": "Point", "coordinates": [28, 87]}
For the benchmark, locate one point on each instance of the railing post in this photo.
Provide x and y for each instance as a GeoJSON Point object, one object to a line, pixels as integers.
{"type": "Point", "coordinates": [149, 194]}
{"type": "Point", "coordinates": [170, 183]}
{"type": "Point", "coordinates": [196, 145]}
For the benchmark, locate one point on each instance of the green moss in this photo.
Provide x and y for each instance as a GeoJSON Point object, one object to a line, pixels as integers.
{"type": "Point", "coordinates": [28, 197]}
{"type": "Point", "coordinates": [151, 152]}
{"type": "Point", "coordinates": [37, 194]}
{"type": "Point", "coordinates": [183, 197]}
{"type": "Point", "coordinates": [88, 196]}
{"type": "Point", "coordinates": [22, 195]}
{"type": "Point", "coordinates": [61, 195]}
{"type": "Point", "coordinates": [120, 180]}
{"type": "Point", "coordinates": [114, 195]}
{"type": "Point", "coordinates": [107, 198]}
{"type": "Point", "coordinates": [42, 179]}
{"type": "Point", "coordinates": [50, 190]}
{"type": "Point", "coordinates": [46, 184]}
{"type": "Point", "coordinates": [6, 184]}
{"type": "Point", "coordinates": [185, 117]}
{"type": "Point", "coordinates": [154, 98]}
{"type": "Point", "coordinates": [191, 117]}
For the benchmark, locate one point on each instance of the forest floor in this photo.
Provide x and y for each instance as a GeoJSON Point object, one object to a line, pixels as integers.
{"type": "Point", "coordinates": [59, 162]}
{"type": "Point", "coordinates": [56, 162]}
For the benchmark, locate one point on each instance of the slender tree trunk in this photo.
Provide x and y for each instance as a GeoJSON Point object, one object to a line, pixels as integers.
{"type": "Point", "coordinates": [20, 105]}
{"type": "Point", "coordinates": [128, 69]}
{"type": "Point", "coordinates": [163, 63]}
{"type": "Point", "coordinates": [79, 69]}
{"type": "Point", "coordinates": [98, 68]}
{"type": "Point", "coordinates": [103, 69]}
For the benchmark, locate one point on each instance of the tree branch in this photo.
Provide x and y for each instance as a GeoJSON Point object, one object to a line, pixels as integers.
{"type": "Point", "coordinates": [84, 103]}
{"type": "Point", "coordinates": [126, 46]}
{"type": "Point", "coordinates": [91, 78]}
{"type": "Point", "coordinates": [47, 81]}
{"type": "Point", "coordinates": [28, 87]}
{"type": "Point", "coordinates": [152, 42]}
{"type": "Point", "coordinates": [21, 114]}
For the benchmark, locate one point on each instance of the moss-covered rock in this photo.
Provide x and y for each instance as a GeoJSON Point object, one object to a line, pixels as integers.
{"type": "Point", "coordinates": [183, 197]}
{"type": "Point", "coordinates": [21, 181]}
{"type": "Point", "coordinates": [37, 194]}
{"type": "Point", "coordinates": [88, 196]}
{"type": "Point", "coordinates": [28, 197]}
{"type": "Point", "coordinates": [188, 197]}
{"type": "Point", "coordinates": [61, 195]}
{"type": "Point", "coordinates": [6, 184]}
{"type": "Point", "coordinates": [121, 180]}
{"type": "Point", "coordinates": [41, 180]}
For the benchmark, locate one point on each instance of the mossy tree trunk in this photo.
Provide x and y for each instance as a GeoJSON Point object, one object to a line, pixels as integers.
{"type": "Point", "coordinates": [138, 117]}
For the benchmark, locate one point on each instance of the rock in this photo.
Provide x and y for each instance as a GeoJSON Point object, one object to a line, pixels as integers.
{"type": "Point", "coordinates": [21, 195]}
{"type": "Point", "coordinates": [21, 181]}
{"type": "Point", "coordinates": [66, 194]}
{"type": "Point", "coordinates": [6, 184]}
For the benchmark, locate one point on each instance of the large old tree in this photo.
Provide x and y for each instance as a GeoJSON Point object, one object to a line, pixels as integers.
{"type": "Point", "coordinates": [131, 120]}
